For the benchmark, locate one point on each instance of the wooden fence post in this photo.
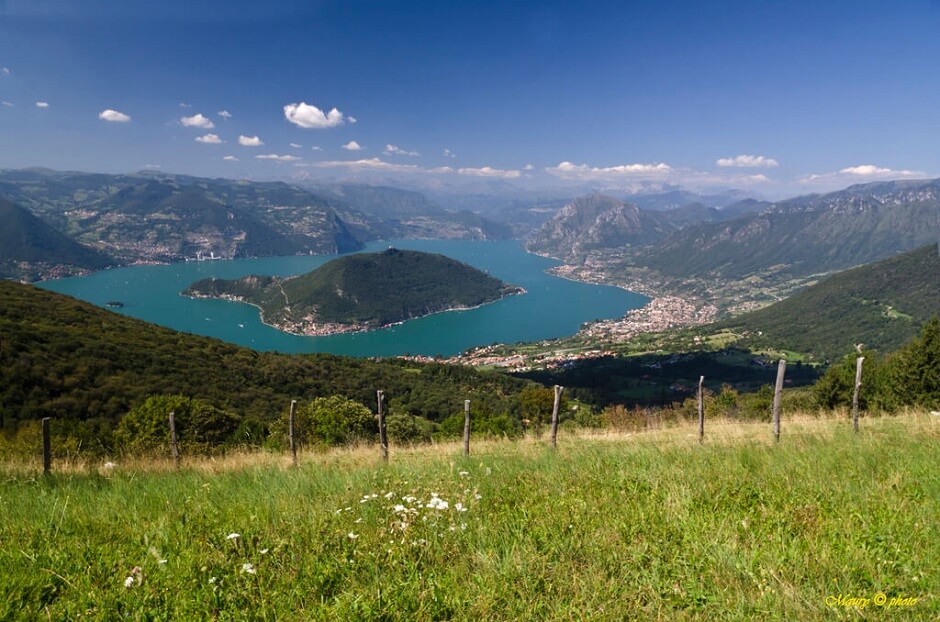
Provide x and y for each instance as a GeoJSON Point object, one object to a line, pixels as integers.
{"type": "Point", "coordinates": [383, 435]}
{"type": "Point", "coordinates": [466, 427]}
{"type": "Point", "coordinates": [558, 390]}
{"type": "Point", "coordinates": [701, 410]}
{"type": "Point", "coordinates": [46, 447]}
{"type": "Point", "coordinates": [778, 389]}
{"type": "Point", "coordinates": [174, 446]}
{"type": "Point", "coordinates": [858, 387]}
{"type": "Point", "coordinates": [290, 432]}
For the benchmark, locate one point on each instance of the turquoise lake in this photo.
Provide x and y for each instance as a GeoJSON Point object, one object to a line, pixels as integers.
{"type": "Point", "coordinates": [553, 307]}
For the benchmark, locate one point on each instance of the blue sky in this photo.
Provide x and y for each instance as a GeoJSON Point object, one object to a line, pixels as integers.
{"type": "Point", "coordinates": [773, 97]}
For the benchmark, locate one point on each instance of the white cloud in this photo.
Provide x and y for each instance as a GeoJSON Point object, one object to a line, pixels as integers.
{"type": "Point", "coordinates": [230, 158]}
{"type": "Point", "coordinates": [113, 116]}
{"type": "Point", "coordinates": [225, 114]}
{"type": "Point", "coordinates": [352, 146]}
{"type": "Point", "coordinates": [352, 119]}
{"type": "Point", "coordinates": [394, 150]}
{"type": "Point", "coordinates": [209, 139]}
{"type": "Point", "coordinates": [568, 170]}
{"type": "Point", "coordinates": [381, 165]}
{"type": "Point", "coordinates": [296, 146]}
{"type": "Point", "coordinates": [310, 117]}
{"type": "Point", "coordinates": [152, 166]}
{"type": "Point", "coordinates": [748, 161]}
{"type": "Point", "coordinates": [278, 158]}
{"type": "Point", "coordinates": [856, 174]}
{"type": "Point", "coordinates": [42, 104]}
{"type": "Point", "coordinates": [449, 154]}
{"type": "Point", "coordinates": [197, 120]}
{"type": "Point", "coordinates": [528, 167]}
{"type": "Point", "coordinates": [487, 171]}
{"type": "Point", "coordinates": [8, 104]}
{"type": "Point", "coordinates": [250, 141]}
{"type": "Point", "coordinates": [184, 105]}
{"type": "Point", "coordinates": [316, 148]}
{"type": "Point", "coordinates": [5, 71]}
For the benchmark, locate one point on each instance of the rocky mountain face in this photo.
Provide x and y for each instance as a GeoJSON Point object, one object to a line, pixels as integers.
{"type": "Point", "coordinates": [598, 222]}
{"type": "Point", "coordinates": [806, 235]}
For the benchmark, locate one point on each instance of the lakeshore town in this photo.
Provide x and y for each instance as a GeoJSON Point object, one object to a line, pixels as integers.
{"type": "Point", "coordinates": [660, 314]}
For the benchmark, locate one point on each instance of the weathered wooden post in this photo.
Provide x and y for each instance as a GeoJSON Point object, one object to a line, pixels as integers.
{"type": "Point", "coordinates": [858, 387]}
{"type": "Point", "coordinates": [778, 389]}
{"type": "Point", "coordinates": [558, 390]}
{"type": "Point", "coordinates": [383, 434]}
{"type": "Point", "coordinates": [46, 447]}
{"type": "Point", "coordinates": [466, 427]}
{"type": "Point", "coordinates": [290, 432]}
{"type": "Point", "coordinates": [701, 409]}
{"type": "Point", "coordinates": [174, 446]}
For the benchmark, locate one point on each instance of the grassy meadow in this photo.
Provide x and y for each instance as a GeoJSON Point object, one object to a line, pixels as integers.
{"type": "Point", "coordinates": [612, 526]}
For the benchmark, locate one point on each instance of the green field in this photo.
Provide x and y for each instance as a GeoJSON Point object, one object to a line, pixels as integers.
{"type": "Point", "coordinates": [610, 527]}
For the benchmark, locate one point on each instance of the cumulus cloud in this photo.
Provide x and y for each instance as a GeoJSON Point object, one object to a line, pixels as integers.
{"type": "Point", "coordinates": [487, 171]}
{"type": "Point", "coordinates": [277, 158]}
{"type": "Point", "coordinates": [748, 161]}
{"type": "Point", "coordinates": [230, 158]}
{"type": "Point", "coordinates": [42, 104]}
{"type": "Point", "coordinates": [352, 146]}
{"type": "Point", "coordinates": [395, 150]}
{"type": "Point", "coordinates": [309, 116]}
{"type": "Point", "coordinates": [316, 148]}
{"type": "Point", "coordinates": [295, 145]}
{"type": "Point", "coordinates": [449, 154]}
{"type": "Point", "coordinates": [209, 139]}
{"type": "Point", "coordinates": [250, 141]}
{"type": "Point", "coordinates": [225, 114]}
{"type": "Point", "coordinates": [568, 170]}
{"type": "Point", "coordinates": [197, 120]}
{"type": "Point", "coordinates": [113, 116]}
{"type": "Point", "coordinates": [859, 173]}
{"type": "Point", "coordinates": [352, 119]}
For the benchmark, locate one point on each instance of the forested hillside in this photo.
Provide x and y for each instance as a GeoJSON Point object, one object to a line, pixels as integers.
{"type": "Point", "coordinates": [68, 359]}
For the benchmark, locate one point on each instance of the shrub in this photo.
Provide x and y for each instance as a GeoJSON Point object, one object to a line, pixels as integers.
{"type": "Point", "coordinates": [200, 426]}
{"type": "Point", "coordinates": [327, 422]}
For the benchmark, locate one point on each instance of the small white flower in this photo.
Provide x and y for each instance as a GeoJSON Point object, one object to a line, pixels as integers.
{"type": "Point", "coordinates": [264, 551]}
{"type": "Point", "coordinates": [129, 582]}
{"type": "Point", "coordinates": [399, 508]}
{"type": "Point", "coordinates": [109, 465]}
{"type": "Point", "coordinates": [357, 521]}
{"type": "Point", "coordinates": [353, 536]}
{"type": "Point", "coordinates": [478, 496]}
{"type": "Point", "coordinates": [213, 579]}
{"type": "Point", "coordinates": [464, 473]}
{"type": "Point", "coordinates": [249, 568]}
{"type": "Point", "coordinates": [459, 507]}
{"type": "Point", "coordinates": [233, 536]}
{"type": "Point", "coordinates": [389, 495]}
{"type": "Point", "coordinates": [162, 562]}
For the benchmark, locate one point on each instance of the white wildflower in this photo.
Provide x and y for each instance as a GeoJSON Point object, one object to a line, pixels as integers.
{"type": "Point", "coordinates": [249, 568]}
{"type": "Point", "coordinates": [459, 507]}
{"type": "Point", "coordinates": [399, 508]}
{"type": "Point", "coordinates": [129, 582]}
{"type": "Point", "coordinates": [264, 551]}
{"type": "Point", "coordinates": [212, 580]}
{"type": "Point", "coordinates": [233, 536]}
{"type": "Point", "coordinates": [464, 473]}
{"type": "Point", "coordinates": [389, 495]}
{"type": "Point", "coordinates": [353, 536]}
{"type": "Point", "coordinates": [161, 562]}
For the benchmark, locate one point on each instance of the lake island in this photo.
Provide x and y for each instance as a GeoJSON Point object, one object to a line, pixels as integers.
{"type": "Point", "coordinates": [361, 292]}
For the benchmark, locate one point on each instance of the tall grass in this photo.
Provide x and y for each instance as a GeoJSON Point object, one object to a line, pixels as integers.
{"type": "Point", "coordinates": [609, 527]}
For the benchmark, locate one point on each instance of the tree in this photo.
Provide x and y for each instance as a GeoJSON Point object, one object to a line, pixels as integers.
{"type": "Point", "coordinates": [917, 368]}
{"type": "Point", "coordinates": [332, 421]}
{"type": "Point", "coordinates": [200, 426]}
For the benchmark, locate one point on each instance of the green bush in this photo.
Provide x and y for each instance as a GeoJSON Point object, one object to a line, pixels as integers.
{"type": "Point", "coordinates": [200, 426]}
{"type": "Point", "coordinates": [406, 429]}
{"type": "Point", "coordinates": [327, 422]}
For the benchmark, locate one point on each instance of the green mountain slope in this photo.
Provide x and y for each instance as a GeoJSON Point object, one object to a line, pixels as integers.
{"type": "Point", "coordinates": [882, 305]}
{"type": "Point", "coordinates": [361, 291]}
{"type": "Point", "coordinates": [71, 360]}
{"type": "Point", "coordinates": [29, 245]}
